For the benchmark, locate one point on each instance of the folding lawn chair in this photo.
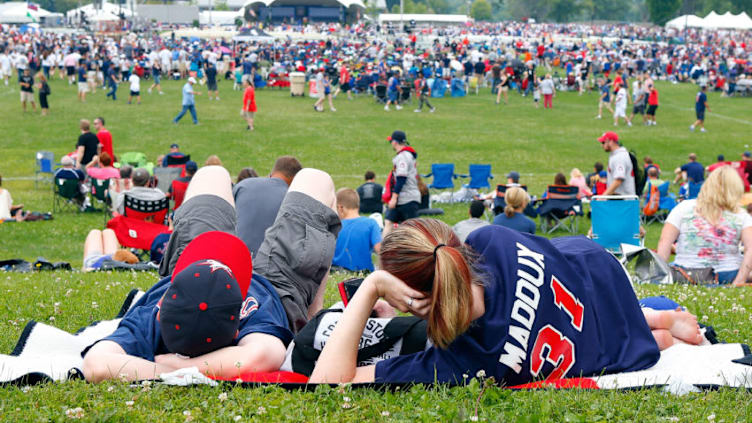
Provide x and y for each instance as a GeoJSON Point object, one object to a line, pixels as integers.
{"type": "Point", "coordinates": [141, 222]}
{"type": "Point", "coordinates": [405, 94]}
{"type": "Point", "coordinates": [381, 94]}
{"type": "Point", "coordinates": [479, 175]}
{"type": "Point", "coordinates": [560, 209]}
{"type": "Point", "coordinates": [693, 190]}
{"type": "Point", "coordinates": [178, 162]}
{"type": "Point", "coordinates": [443, 175]}
{"type": "Point", "coordinates": [666, 202]}
{"type": "Point", "coordinates": [499, 202]}
{"type": "Point", "coordinates": [165, 176]}
{"type": "Point", "coordinates": [178, 192]}
{"type": "Point", "coordinates": [616, 221]}
{"type": "Point", "coordinates": [99, 192]}
{"type": "Point", "coordinates": [44, 160]}
{"type": "Point", "coordinates": [65, 193]}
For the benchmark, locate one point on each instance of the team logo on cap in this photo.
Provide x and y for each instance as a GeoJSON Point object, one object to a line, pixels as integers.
{"type": "Point", "coordinates": [215, 265]}
{"type": "Point", "coordinates": [249, 306]}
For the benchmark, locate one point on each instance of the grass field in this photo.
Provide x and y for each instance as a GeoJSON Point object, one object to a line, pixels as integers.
{"type": "Point", "coordinates": [536, 142]}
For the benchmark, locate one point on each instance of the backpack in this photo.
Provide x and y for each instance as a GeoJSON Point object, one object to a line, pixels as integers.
{"type": "Point", "coordinates": [386, 195]}
{"type": "Point", "coordinates": [639, 174]}
{"type": "Point", "coordinates": [654, 200]}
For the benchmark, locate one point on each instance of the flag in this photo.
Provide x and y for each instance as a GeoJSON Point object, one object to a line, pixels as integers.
{"type": "Point", "coordinates": [30, 16]}
{"type": "Point", "coordinates": [32, 6]}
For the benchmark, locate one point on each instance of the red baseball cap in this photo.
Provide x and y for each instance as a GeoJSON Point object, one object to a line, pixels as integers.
{"type": "Point", "coordinates": [608, 136]}
{"type": "Point", "coordinates": [221, 247]}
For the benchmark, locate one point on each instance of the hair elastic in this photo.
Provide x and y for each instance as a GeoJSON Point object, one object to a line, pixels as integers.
{"type": "Point", "coordinates": [436, 249]}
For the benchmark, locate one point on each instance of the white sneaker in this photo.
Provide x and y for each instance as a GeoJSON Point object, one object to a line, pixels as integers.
{"type": "Point", "coordinates": [629, 123]}
{"type": "Point", "coordinates": [692, 128]}
{"type": "Point", "coordinates": [417, 110]}
{"type": "Point", "coordinates": [598, 117]}
{"type": "Point", "coordinates": [433, 109]}
{"type": "Point", "coordinates": [149, 90]}
{"type": "Point", "coordinates": [703, 130]}
{"type": "Point", "coordinates": [161, 93]}
{"type": "Point", "coordinates": [333, 109]}
{"type": "Point", "coordinates": [386, 108]}
{"type": "Point", "coordinates": [398, 107]}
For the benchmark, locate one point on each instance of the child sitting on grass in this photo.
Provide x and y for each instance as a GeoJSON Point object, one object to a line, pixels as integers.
{"type": "Point", "coordinates": [359, 235]}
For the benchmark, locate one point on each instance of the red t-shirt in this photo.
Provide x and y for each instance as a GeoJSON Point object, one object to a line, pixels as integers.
{"type": "Point", "coordinates": [249, 100]}
{"type": "Point", "coordinates": [105, 138]}
{"type": "Point", "coordinates": [653, 97]}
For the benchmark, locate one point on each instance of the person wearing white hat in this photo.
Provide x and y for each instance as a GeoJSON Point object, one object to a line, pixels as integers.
{"type": "Point", "coordinates": [189, 103]}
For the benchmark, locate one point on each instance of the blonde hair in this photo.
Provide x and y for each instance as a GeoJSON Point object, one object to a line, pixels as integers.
{"type": "Point", "coordinates": [575, 173]}
{"type": "Point", "coordinates": [348, 198]}
{"type": "Point", "coordinates": [428, 257]}
{"type": "Point", "coordinates": [720, 192]}
{"type": "Point", "coordinates": [516, 198]}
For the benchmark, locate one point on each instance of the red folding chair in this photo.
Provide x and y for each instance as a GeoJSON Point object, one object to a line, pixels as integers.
{"type": "Point", "coordinates": [141, 222]}
{"type": "Point", "coordinates": [178, 161]}
{"type": "Point", "coordinates": [178, 192]}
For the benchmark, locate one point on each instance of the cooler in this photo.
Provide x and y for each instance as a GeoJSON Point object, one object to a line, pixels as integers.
{"type": "Point", "coordinates": [297, 83]}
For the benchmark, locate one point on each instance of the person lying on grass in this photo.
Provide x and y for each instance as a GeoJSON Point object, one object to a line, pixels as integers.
{"type": "Point", "coordinates": [517, 307]}
{"type": "Point", "coordinates": [218, 311]}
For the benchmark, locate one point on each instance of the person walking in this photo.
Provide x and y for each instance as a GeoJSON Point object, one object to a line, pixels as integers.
{"type": "Point", "coordinates": [156, 73]}
{"type": "Point", "coordinates": [44, 91]}
{"type": "Point", "coordinates": [112, 82]}
{"type": "Point", "coordinates": [393, 92]}
{"type": "Point", "coordinates": [701, 104]}
{"type": "Point", "coordinates": [605, 98]}
{"type": "Point", "coordinates": [249, 103]}
{"type": "Point", "coordinates": [404, 200]}
{"type": "Point", "coordinates": [211, 81]}
{"type": "Point", "coordinates": [548, 91]}
{"type": "Point", "coordinates": [620, 105]}
{"type": "Point", "coordinates": [189, 102]}
{"type": "Point", "coordinates": [424, 91]}
{"type": "Point", "coordinates": [135, 86]}
{"type": "Point", "coordinates": [652, 104]}
{"type": "Point", "coordinates": [27, 89]}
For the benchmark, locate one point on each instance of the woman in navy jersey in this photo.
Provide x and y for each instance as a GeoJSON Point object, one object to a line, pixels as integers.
{"type": "Point", "coordinates": [518, 307]}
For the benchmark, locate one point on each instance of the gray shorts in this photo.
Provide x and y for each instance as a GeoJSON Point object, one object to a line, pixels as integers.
{"type": "Point", "coordinates": [199, 214]}
{"type": "Point", "coordinates": [297, 252]}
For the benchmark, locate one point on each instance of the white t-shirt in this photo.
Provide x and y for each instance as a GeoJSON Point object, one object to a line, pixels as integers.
{"type": "Point", "coordinates": [702, 245]}
{"type": "Point", "coordinates": [135, 82]}
{"type": "Point", "coordinates": [621, 98]}
{"type": "Point", "coordinates": [5, 203]}
{"type": "Point", "coordinates": [4, 62]}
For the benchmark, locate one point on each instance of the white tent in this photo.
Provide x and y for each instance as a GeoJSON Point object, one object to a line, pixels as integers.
{"type": "Point", "coordinates": [741, 21]}
{"type": "Point", "coordinates": [219, 17]}
{"type": "Point", "coordinates": [686, 21]}
{"type": "Point", "coordinates": [727, 21]}
{"type": "Point", "coordinates": [19, 12]}
{"type": "Point", "coordinates": [108, 12]}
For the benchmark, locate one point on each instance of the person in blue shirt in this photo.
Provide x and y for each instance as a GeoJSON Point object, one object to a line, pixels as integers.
{"type": "Point", "coordinates": [189, 102]}
{"type": "Point", "coordinates": [605, 96]}
{"type": "Point", "coordinates": [212, 311]}
{"type": "Point", "coordinates": [358, 237]}
{"type": "Point", "coordinates": [692, 171]}
{"type": "Point", "coordinates": [701, 104]}
{"type": "Point", "coordinates": [393, 91]}
{"type": "Point", "coordinates": [83, 86]}
{"type": "Point", "coordinates": [513, 217]}
{"type": "Point", "coordinates": [517, 307]}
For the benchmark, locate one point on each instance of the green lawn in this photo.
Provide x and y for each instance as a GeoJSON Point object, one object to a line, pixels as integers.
{"type": "Point", "coordinates": [536, 142]}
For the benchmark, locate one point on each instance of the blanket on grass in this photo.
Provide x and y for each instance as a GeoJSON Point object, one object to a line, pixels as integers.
{"type": "Point", "coordinates": [44, 353]}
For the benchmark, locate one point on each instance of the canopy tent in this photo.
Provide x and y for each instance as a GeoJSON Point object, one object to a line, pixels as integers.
{"type": "Point", "coordinates": [686, 21]}
{"type": "Point", "coordinates": [424, 18]}
{"type": "Point", "coordinates": [17, 12]}
{"type": "Point", "coordinates": [107, 12]}
{"type": "Point", "coordinates": [219, 17]}
{"type": "Point", "coordinates": [247, 35]}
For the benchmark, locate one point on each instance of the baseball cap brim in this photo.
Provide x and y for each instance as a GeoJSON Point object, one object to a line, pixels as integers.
{"type": "Point", "coordinates": [224, 248]}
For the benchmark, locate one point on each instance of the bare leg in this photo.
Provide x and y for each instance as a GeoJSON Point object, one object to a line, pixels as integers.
{"type": "Point", "coordinates": [214, 180]}
{"type": "Point", "coordinates": [388, 226]}
{"type": "Point", "coordinates": [93, 243]}
{"type": "Point", "coordinates": [109, 242]}
{"type": "Point", "coordinates": [317, 184]}
{"type": "Point", "coordinates": [663, 338]}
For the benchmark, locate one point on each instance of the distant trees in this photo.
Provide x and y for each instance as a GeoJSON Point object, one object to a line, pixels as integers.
{"type": "Point", "coordinates": [661, 11]}
{"type": "Point", "coordinates": [481, 10]}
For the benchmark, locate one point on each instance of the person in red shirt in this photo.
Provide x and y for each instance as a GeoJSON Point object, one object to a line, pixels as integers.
{"type": "Point", "coordinates": [104, 136]}
{"type": "Point", "coordinates": [652, 105]}
{"type": "Point", "coordinates": [249, 103]}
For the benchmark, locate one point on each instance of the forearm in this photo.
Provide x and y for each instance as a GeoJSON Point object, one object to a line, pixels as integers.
{"type": "Point", "coordinates": [230, 362]}
{"type": "Point", "coordinates": [126, 367]}
{"type": "Point", "coordinates": [669, 234]}
{"type": "Point", "coordinates": [612, 188]}
{"type": "Point", "coordinates": [338, 360]}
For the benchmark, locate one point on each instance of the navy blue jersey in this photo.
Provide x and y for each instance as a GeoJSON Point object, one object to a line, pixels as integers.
{"type": "Point", "coordinates": [139, 333]}
{"type": "Point", "coordinates": [700, 101]}
{"type": "Point", "coordinates": [558, 308]}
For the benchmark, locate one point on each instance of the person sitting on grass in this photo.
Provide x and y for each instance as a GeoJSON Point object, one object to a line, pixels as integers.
{"type": "Point", "coordinates": [8, 210]}
{"type": "Point", "coordinates": [245, 173]}
{"type": "Point", "coordinates": [69, 172]}
{"type": "Point", "coordinates": [464, 227]}
{"type": "Point", "coordinates": [516, 307]}
{"type": "Point", "coordinates": [266, 301]}
{"type": "Point", "coordinates": [103, 245]}
{"type": "Point", "coordinates": [370, 194]}
{"type": "Point", "coordinates": [359, 235]}
{"type": "Point", "coordinates": [513, 217]}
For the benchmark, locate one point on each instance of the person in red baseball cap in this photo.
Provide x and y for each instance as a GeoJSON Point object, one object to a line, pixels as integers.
{"type": "Point", "coordinates": [621, 179]}
{"type": "Point", "coordinates": [212, 313]}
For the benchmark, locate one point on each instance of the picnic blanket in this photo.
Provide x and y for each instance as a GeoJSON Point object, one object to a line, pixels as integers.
{"type": "Point", "coordinates": [44, 353]}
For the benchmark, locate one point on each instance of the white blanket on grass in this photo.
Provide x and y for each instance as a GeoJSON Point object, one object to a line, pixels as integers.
{"type": "Point", "coordinates": [45, 353]}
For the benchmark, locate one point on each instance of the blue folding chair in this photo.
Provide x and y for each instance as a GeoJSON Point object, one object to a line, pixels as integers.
{"type": "Point", "coordinates": [616, 221]}
{"type": "Point", "coordinates": [479, 175]}
{"type": "Point", "coordinates": [45, 161]}
{"type": "Point", "coordinates": [443, 176]}
{"type": "Point", "coordinates": [560, 209]}
{"type": "Point", "coordinates": [666, 202]}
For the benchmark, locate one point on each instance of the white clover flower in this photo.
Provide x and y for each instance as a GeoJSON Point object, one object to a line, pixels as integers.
{"type": "Point", "coordinates": [222, 396]}
{"type": "Point", "coordinates": [473, 418]}
{"type": "Point", "coordinates": [74, 413]}
{"type": "Point", "coordinates": [110, 389]}
{"type": "Point", "coordinates": [385, 413]}
{"type": "Point", "coordinates": [261, 410]}
{"type": "Point", "coordinates": [237, 418]}
{"type": "Point", "coordinates": [346, 399]}
{"type": "Point", "coordinates": [481, 374]}
{"type": "Point", "coordinates": [711, 417]}
{"type": "Point", "coordinates": [346, 405]}
{"type": "Point", "coordinates": [26, 389]}
{"type": "Point", "coordinates": [129, 403]}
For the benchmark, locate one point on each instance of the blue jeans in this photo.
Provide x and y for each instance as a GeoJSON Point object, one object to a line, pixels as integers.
{"type": "Point", "coordinates": [191, 108]}
{"type": "Point", "coordinates": [113, 92]}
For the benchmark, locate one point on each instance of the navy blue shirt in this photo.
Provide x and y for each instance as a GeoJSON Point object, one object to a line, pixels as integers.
{"type": "Point", "coordinates": [700, 101]}
{"type": "Point", "coordinates": [553, 308]}
{"type": "Point", "coordinates": [81, 74]}
{"type": "Point", "coordinates": [139, 333]}
{"type": "Point", "coordinates": [695, 171]}
{"type": "Point", "coordinates": [518, 222]}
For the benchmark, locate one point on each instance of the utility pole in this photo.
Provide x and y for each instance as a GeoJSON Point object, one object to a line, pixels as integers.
{"type": "Point", "coordinates": [402, 17]}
